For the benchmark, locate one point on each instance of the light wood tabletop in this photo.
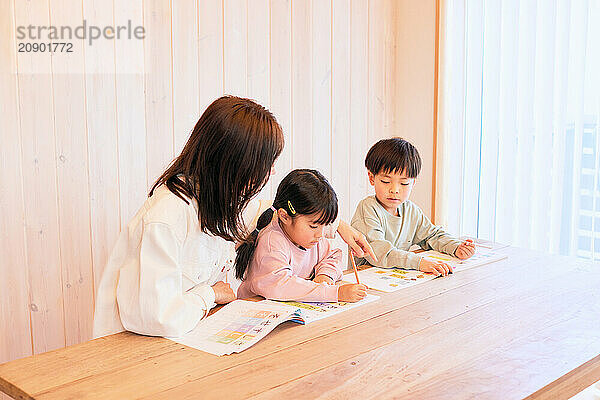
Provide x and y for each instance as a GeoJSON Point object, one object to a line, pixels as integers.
{"type": "Point", "coordinates": [527, 326]}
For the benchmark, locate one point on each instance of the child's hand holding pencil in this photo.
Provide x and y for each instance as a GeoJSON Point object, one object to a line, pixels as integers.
{"type": "Point", "coordinates": [465, 250]}
{"type": "Point", "coordinates": [352, 292]}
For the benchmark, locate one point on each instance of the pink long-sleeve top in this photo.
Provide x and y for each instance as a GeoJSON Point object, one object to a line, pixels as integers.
{"type": "Point", "coordinates": [280, 270]}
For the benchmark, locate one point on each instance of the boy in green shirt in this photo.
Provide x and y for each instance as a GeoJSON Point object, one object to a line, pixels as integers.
{"type": "Point", "coordinates": [392, 223]}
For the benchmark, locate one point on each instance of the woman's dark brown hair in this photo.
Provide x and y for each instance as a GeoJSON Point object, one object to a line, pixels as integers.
{"type": "Point", "coordinates": [226, 161]}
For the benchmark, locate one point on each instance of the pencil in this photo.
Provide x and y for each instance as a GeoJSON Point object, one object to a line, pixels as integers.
{"type": "Point", "coordinates": [353, 265]}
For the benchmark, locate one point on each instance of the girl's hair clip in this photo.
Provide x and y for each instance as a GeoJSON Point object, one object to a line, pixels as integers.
{"type": "Point", "coordinates": [291, 208]}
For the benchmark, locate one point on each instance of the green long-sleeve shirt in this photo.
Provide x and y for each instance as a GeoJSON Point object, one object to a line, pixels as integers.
{"type": "Point", "coordinates": [391, 236]}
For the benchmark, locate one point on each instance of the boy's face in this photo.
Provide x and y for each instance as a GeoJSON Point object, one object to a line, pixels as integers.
{"type": "Point", "coordinates": [391, 188]}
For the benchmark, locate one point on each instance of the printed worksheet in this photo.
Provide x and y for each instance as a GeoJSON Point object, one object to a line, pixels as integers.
{"type": "Point", "coordinates": [389, 279]}
{"type": "Point", "coordinates": [482, 256]}
{"type": "Point", "coordinates": [236, 327]}
{"type": "Point", "coordinates": [307, 312]}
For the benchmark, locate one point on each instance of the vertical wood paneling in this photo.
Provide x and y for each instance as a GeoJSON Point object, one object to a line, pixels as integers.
{"type": "Point", "coordinates": [259, 61]}
{"type": "Point", "coordinates": [158, 59]}
{"type": "Point", "coordinates": [376, 90]}
{"type": "Point", "coordinates": [391, 57]}
{"type": "Point", "coordinates": [15, 329]}
{"type": "Point", "coordinates": [97, 126]}
{"type": "Point", "coordinates": [235, 47]}
{"type": "Point", "coordinates": [210, 51]}
{"type": "Point", "coordinates": [39, 183]}
{"type": "Point", "coordinates": [103, 144]}
{"type": "Point", "coordinates": [72, 165]}
{"type": "Point", "coordinates": [409, 45]}
{"type": "Point", "coordinates": [321, 87]}
{"type": "Point", "coordinates": [359, 101]}
{"type": "Point", "coordinates": [302, 142]}
{"type": "Point", "coordinates": [131, 115]}
{"type": "Point", "coordinates": [340, 105]}
{"type": "Point", "coordinates": [185, 70]}
{"type": "Point", "coordinates": [281, 83]}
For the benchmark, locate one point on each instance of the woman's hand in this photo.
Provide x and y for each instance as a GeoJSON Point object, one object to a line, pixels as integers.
{"type": "Point", "coordinates": [223, 293]}
{"type": "Point", "coordinates": [355, 240]}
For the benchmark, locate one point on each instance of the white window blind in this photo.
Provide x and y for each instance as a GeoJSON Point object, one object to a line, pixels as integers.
{"type": "Point", "coordinates": [519, 138]}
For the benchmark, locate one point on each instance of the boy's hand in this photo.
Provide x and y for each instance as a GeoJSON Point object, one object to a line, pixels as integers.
{"type": "Point", "coordinates": [323, 278]}
{"type": "Point", "coordinates": [223, 293]}
{"type": "Point", "coordinates": [352, 292]}
{"type": "Point", "coordinates": [465, 250]}
{"type": "Point", "coordinates": [435, 267]}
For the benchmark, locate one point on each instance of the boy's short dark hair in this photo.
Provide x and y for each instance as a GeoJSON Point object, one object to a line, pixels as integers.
{"type": "Point", "coordinates": [393, 155]}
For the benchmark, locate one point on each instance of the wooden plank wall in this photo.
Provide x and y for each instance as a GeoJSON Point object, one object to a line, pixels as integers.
{"type": "Point", "coordinates": [85, 134]}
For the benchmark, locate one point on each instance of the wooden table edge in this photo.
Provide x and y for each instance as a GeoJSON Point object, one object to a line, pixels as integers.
{"type": "Point", "coordinates": [572, 382]}
{"type": "Point", "coordinates": [13, 391]}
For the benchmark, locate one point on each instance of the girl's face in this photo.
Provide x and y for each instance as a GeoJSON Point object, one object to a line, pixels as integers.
{"type": "Point", "coordinates": [302, 230]}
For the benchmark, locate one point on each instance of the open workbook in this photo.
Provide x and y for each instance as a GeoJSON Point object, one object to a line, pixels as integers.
{"type": "Point", "coordinates": [241, 323]}
{"type": "Point", "coordinates": [305, 313]}
{"type": "Point", "coordinates": [392, 279]}
{"type": "Point", "coordinates": [481, 257]}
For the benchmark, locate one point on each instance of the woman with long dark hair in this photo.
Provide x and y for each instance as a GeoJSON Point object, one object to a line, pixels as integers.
{"type": "Point", "coordinates": [166, 270]}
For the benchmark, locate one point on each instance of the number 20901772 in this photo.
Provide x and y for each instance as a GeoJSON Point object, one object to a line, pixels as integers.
{"type": "Point", "coordinates": [50, 47]}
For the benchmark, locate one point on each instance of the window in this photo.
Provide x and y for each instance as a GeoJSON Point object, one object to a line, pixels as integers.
{"type": "Point", "coordinates": [519, 117]}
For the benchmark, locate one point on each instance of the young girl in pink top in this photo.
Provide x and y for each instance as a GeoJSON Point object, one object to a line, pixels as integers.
{"type": "Point", "coordinates": [287, 257]}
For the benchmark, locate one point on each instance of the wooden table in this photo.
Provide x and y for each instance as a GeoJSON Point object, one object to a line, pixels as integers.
{"type": "Point", "coordinates": [525, 326]}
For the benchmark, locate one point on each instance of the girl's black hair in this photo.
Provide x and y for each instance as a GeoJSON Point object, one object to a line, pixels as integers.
{"type": "Point", "coordinates": [226, 161]}
{"type": "Point", "coordinates": [301, 192]}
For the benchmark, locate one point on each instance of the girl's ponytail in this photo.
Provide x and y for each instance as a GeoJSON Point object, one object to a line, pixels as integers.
{"type": "Point", "coordinates": [301, 192]}
{"type": "Point", "coordinates": [245, 250]}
